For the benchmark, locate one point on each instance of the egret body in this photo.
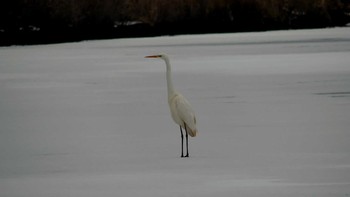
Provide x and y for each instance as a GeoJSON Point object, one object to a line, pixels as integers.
{"type": "Point", "coordinates": [180, 109]}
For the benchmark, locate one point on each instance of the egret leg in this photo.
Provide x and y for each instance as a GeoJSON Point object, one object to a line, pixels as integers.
{"type": "Point", "coordinates": [187, 155]}
{"type": "Point", "coordinates": [182, 143]}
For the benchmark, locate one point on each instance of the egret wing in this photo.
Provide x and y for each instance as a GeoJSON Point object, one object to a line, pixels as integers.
{"type": "Point", "coordinates": [186, 113]}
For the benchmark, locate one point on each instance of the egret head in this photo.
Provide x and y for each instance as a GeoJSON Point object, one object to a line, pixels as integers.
{"type": "Point", "coordinates": [161, 56]}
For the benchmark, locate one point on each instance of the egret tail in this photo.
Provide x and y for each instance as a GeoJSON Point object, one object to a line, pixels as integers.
{"type": "Point", "coordinates": [191, 132]}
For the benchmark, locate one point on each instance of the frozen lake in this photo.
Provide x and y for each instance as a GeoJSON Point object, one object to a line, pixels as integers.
{"type": "Point", "coordinates": [91, 118]}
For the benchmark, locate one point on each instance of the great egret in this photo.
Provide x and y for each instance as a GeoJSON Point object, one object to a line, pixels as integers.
{"type": "Point", "coordinates": [181, 110]}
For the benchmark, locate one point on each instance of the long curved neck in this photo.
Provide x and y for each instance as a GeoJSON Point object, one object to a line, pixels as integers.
{"type": "Point", "coordinates": [169, 80]}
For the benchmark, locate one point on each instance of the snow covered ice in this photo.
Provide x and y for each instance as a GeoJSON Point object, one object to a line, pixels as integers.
{"type": "Point", "coordinates": [91, 118]}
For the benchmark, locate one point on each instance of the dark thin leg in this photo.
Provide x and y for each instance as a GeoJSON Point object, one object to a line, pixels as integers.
{"type": "Point", "coordinates": [187, 155]}
{"type": "Point", "coordinates": [182, 143]}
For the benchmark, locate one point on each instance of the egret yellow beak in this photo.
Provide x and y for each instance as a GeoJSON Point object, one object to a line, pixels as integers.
{"type": "Point", "coordinates": [153, 56]}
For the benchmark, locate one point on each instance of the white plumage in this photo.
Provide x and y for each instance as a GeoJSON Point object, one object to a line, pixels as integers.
{"type": "Point", "coordinates": [182, 113]}
{"type": "Point", "coordinates": [180, 109]}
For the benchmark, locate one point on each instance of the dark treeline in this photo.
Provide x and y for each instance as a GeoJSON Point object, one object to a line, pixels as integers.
{"type": "Point", "coordinates": [48, 21]}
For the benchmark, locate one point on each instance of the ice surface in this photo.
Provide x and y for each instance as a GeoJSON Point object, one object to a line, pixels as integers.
{"type": "Point", "coordinates": [91, 118]}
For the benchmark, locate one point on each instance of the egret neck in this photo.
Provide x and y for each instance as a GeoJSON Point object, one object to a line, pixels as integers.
{"type": "Point", "coordinates": [171, 90]}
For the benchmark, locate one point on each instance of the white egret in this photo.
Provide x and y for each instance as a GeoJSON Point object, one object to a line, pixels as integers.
{"type": "Point", "coordinates": [181, 110]}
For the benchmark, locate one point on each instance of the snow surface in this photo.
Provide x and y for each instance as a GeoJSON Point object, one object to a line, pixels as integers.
{"type": "Point", "coordinates": [91, 118]}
